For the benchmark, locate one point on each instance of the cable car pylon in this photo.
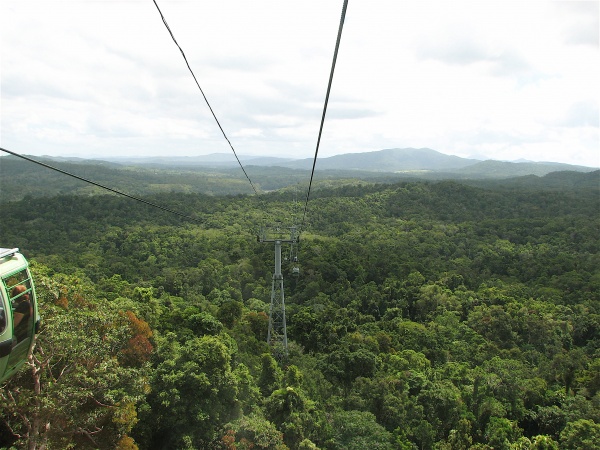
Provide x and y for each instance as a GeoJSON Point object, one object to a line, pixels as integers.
{"type": "Point", "coordinates": [277, 334]}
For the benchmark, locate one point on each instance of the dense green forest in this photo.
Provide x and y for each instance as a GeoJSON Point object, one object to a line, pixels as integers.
{"type": "Point", "coordinates": [427, 315]}
{"type": "Point", "coordinates": [21, 178]}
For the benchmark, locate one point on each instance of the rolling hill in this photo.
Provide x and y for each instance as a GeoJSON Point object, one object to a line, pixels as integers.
{"type": "Point", "coordinates": [410, 161]}
{"type": "Point", "coordinates": [220, 174]}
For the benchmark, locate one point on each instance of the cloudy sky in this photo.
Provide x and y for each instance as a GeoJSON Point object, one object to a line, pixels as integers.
{"type": "Point", "coordinates": [505, 80]}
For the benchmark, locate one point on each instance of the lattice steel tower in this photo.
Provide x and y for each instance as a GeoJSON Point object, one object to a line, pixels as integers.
{"type": "Point", "coordinates": [277, 334]}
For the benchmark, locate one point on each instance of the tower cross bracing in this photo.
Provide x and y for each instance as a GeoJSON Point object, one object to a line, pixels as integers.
{"type": "Point", "coordinates": [277, 333]}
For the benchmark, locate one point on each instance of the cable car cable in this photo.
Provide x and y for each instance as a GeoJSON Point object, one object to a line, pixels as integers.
{"type": "Point", "coordinates": [203, 95]}
{"type": "Point", "coordinates": [337, 46]}
{"type": "Point", "coordinates": [102, 186]}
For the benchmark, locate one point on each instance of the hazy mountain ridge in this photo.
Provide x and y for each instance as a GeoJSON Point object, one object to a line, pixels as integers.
{"type": "Point", "coordinates": [505, 169]}
{"type": "Point", "coordinates": [211, 160]}
{"type": "Point", "coordinates": [394, 160]}
{"type": "Point", "coordinates": [213, 175]}
{"type": "Point", "coordinates": [390, 160]}
{"type": "Point", "coordinates": [562, 180]}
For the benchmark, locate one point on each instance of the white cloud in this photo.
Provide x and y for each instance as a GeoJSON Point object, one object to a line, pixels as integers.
{"type": "Point", "coordinates": [582, 114]}
{"type": "Point", "coordinates": [583, 28]}
{"type": "Point", "coordinates": [501, 78]}
{"type": "Point", "coordinates": [248, 132]}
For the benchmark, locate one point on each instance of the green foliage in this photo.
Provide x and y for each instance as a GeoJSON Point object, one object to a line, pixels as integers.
{"type": "Point", "coordinates": [271, 375]}
{"type": "Point", "coordinates": [581, 434]}
{"type": "Point", "coordinates": [345, 365]}
{"type": "Point", "coordinates": [500, 433]}
{"type": "Point", "coordinates": [86, 374]}
{"type": "Point", "coordinates": [195, 391]}
{"type": "Point", "coordinates": [229, 313]}
{"type": "Point", "coordinates": [427, 315]}
{"type": "Point", "coordinates": [288, 409]}
{"type": "Point", "coordinates": [252, 431]}
{"type": "Point", "coordinates": [542, 442]}
{"type": "Point", "coordinates": [357, 430]}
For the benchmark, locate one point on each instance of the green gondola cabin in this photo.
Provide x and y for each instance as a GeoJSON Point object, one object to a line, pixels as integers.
{"type": "Point", "coordinates": [19, 317]}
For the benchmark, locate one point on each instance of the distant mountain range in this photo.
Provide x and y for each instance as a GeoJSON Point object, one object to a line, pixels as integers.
{"type": "Point", "coordinates": [410, 161]}
{"type": "Point", "coordinates": [220, 174]}
{"type": "Point", "coordinates": [390, 160]}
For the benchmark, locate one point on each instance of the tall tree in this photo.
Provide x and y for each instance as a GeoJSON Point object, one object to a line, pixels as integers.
{"type": "Point", "coordinates": [86, 375]}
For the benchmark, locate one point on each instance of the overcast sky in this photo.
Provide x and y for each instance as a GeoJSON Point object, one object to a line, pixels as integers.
{"type": "Point", "coordinates": [503, 80]}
